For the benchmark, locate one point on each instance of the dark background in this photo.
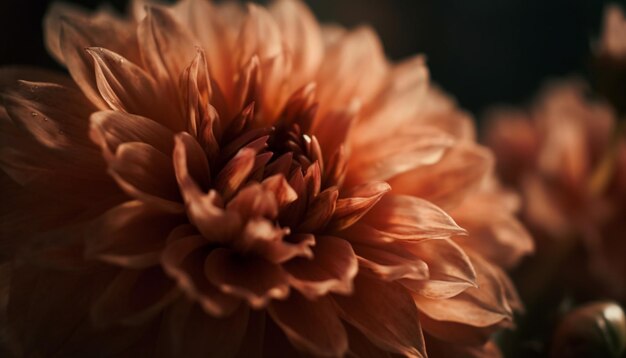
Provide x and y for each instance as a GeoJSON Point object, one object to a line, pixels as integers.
{"type": "Point", "coordinates": [481, 51]}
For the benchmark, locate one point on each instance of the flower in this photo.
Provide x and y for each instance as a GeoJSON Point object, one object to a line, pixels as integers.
{"type": "Point", "coordinates": [223, 181]}
{"type": "Point", "coordinates": [567, 157]}
{"type": "Point", "coordinates": [597, 329]}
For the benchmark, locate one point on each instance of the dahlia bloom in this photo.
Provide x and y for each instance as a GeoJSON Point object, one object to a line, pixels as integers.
{"type": "Point", "coordinates": [224, 181]}
{"type": "Point", "coordinates": [567, 157]}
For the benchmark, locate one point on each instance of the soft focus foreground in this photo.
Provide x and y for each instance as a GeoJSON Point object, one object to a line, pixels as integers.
{"type": "Point", "coordinates": [215, 180]}
{"type": "Point", "coordinates": [566, 155]}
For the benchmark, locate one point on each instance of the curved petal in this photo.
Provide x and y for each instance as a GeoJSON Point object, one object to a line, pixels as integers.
{"type": "Point", "coordinates": [147, 175]}
{"type": "Point", "coordinates": [133, 297]}
{"type": "Point", "coordinates": [128, 88]}
{"type": "Point", "coordinates": [494, 232]}
{"type": "Point", "coordinates": [393, 304]}
{"type": "Point", "coordinates": [110, 129]}
{"type": "Point", "coordinates": [183, 260]}
{"type": "Point", "coordinates": [356, 202]}
{"type": "Point", "coordinates": [449, 267]}
{"type": "Point", "coordinates": [480, 306]}
{"type": "Point", "coordinates": [235, 172]}
{"type": "Point", "coordinates": [302, 38]}
{"type": "Point", "coordinates": [408, 218]}
{"type": "Point", "coordinates": [391, 265]}
{"type": "Point", "coordinates": [187, 331]}
{"type": "Point", "coordinates": [320, 211]}
{"type": "Point", "coordinates": [447, 182]}
{"type": "Point", "coordinates": [312, 326]}
{"type": "Point", "coordinates": [130, 235]}
{"type": "Point", "coordinates": [353, 67]}
{"type": "Point", "coordinates": [53, 114]}
{"type": "Point", "coordinates": [332, 268]}
{"type": "Point", "coordinates": [253, 279]}
{"type": "Point", "coordinates": [388, 157]}
{"type": "Point", "coordinates": [398, 104]}
{"type": "Point", "coordinates": [166, 47]}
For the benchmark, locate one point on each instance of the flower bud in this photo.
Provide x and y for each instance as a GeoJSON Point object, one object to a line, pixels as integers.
{"type": "Point", "coordinates": [596, 329]}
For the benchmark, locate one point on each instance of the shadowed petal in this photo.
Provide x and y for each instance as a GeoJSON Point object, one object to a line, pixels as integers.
{"type": "Point", "coordinates": [130, 235]}
{"type": "Point", "coordinates": [53, 114]}
{"type": "Point", "coordinates": [312, 326]}
{"type": "Point", "coordinates": [235, 172]}
{"type": "Point", "coordinates": [128, 88]}
{"type": "Point", "coordinates": [251, 278]}
{"type": "Point", "coordinates": [183, 260]}
{"type": "Point", "coordinates": [146, 174]}
{"type": "Point", "coordinates": [332, 268]}
{"type": "Point", "coordinates": [133, 297]}
{"type": "Point", "coordinates": [187, 331]}
{"type": "Point", "coordinates": [320, 210]}
{"type": "Point", "coordinates": [392, 303]}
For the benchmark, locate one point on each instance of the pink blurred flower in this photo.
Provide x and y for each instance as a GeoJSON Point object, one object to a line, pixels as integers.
{"type": "Point", "coordinates": [568, 159]}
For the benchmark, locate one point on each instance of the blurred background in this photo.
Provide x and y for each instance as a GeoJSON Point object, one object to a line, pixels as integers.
{"type": "Point", "coordinates": [483, 52]}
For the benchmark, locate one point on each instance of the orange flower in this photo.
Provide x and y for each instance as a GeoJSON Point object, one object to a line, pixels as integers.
{"type": "Point", "coordinates": [220, 181]}
{"type": "Point", "coordinates": [568, 159]}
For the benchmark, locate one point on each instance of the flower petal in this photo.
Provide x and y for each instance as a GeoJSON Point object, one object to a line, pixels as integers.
{"type": "Point", "coordinates": [110, 129]}
{"type": "Point", "coordinates": [130, 235]}
{"type": "Point", "coordinates": [53, 114]}
{"type": "Point", "coordinates": [302, 38]}
{"type": "Point", "coordinates": [393, 304]}
{"type": "Point", "coordinates": [356, 202]}
{"type": "Point", "coordinates": [450, 269]}
{"type": "Point", "coordinates": [447, 182]}
{"type": "Point", "coordinates": [133, 297]}
{"type": "Point", "coordinates": [332, 268]}
{"type": "Point", "coordinates": [146, 174]}
{"type": "Point", "coordinates": [128, 88]}
{"type": "Point", "coordinates": [480, 306]}
{"type": "Point", "coordinates": [235, 172]}
{"type": "Point", "coordinates": [408, 218]}
{"type": "Point", "coordinates": [183, 260]}
{"type": "Point", "coordinates": [187, 331]}
{"type": "Point", "coordinates": [353, 67]}
{"type": "Point", "coordinates": [253, 279]}
{"type": "Point", "coordinates": [166, 47]}
{"type": "Point", "coordinates": [391, 265]}
{"type": "Point", "coordinates": [386, 158]}
{"type": "Point", "coordinates": [320, 210]}
{"type": "Point", "coordinates": [312, 326]}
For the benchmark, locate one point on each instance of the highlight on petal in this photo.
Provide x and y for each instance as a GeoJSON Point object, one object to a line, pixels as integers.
{"type": "Point", "coordinates": [447, 182]}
